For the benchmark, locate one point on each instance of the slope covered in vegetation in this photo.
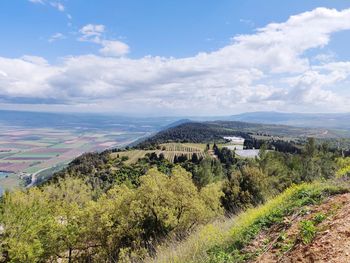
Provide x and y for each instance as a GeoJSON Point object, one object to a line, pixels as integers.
{"type": "Point", "coordinates": [320, 233]}
{"type": "Point", "coordinates": [102, 208]}
{"type": "Point", "coordinates": [259, 233]}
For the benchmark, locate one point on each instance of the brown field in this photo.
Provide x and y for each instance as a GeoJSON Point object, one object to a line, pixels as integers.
{"type": "Point", "coordinates": [33, 158]}
{"type": "Point", "coordinates": [32, 150]}
{"type": "Point", "coordinates": [49, 150]}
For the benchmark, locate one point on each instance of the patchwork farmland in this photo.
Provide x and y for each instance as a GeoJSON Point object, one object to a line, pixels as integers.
{"type": "Point", "coordinates": [28, 153]}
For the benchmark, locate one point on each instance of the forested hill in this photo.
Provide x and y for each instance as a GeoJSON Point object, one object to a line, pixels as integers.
{"type": "Point", "coordinates": [192, 132]}
{"type": "Point", "coordinates": [214, 131]}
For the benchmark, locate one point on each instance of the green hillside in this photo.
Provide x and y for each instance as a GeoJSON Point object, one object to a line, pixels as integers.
{"type": "Point", "coordinates": [126, 205]}
{"type": "Point", "coordinates": [236, 239]}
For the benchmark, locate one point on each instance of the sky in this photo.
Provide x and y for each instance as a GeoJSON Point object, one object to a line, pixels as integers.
{"type": "Point", "coordinates": [183, 57]}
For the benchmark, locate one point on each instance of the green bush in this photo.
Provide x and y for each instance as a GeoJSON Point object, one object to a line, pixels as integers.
{"type": "Point", "coordinates": [308, 231]}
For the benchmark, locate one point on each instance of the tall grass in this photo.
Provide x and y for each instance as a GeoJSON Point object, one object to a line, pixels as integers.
{"type": "Point", "coordinates": [221, 241]}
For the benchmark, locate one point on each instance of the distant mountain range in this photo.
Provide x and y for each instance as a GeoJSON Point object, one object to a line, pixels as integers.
{"type": "Point", "coordinates": [340, 121]}
{"type": "Point", "coordinates": [83, 121]}
{"type": "Point", "coordinates": [313, 120]}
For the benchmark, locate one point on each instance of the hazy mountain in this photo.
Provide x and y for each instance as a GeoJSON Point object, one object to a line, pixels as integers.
{"type": "Point", "coordinates": [83, 121]}
{"type": "Point", "coordinates": [110, 121]}
{"type": "Point", "coordinates": [324, 120]}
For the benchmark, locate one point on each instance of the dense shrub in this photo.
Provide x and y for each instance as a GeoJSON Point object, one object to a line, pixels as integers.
{"type": "Point", "coordinates": [62, 221]}
{"type": "Point", "coordinates": [246, 187]}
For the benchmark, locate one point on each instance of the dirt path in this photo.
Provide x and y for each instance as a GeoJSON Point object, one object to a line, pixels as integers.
{"type": "Point", "coordinates": [332, 242]}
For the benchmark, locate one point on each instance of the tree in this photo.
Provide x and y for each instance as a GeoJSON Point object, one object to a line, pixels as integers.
{"type": "Point", "coordinates": [161, 157]}
{"type": "Point", "coordinates": [204, 174]}
{"type": "Point", "coordinates": [182, 158]}
{"type": "Point", "coordinates": [30, 230]}
{"type": "Point", "coordinates": [217, 170]}
{"type": "Point", "coordinates": [170, 203]}
{"type": "Point", "coordinates": [262, 158]}
{"type": "Point", "coordinates": [247, 187]}
{"type": "Point", "coordinates": [69, 198]}
{"type": "Point", "coordinates": [194, 158]}
{"type": "Point", "coordinates": [207, 147]}
{"type": "Point", "coordinates": [310, 148]}
{"type": "Point", "coordinates": [153, 156]}
{"type": "Point", "coordinates": [311, 167]}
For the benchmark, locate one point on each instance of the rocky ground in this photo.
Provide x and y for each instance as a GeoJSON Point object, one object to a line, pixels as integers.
{"type": "Point", "coordinates": [331, 238]}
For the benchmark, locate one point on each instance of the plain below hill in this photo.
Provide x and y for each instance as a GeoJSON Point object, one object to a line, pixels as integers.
{"type": "Point", "coordinates": [83, 121]}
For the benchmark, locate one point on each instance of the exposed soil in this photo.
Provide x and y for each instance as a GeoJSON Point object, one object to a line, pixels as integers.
{"type": "Point", "coordinates": [331, 244]}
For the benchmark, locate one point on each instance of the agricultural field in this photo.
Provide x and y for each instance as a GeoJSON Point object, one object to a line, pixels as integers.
{"type": "Point", "coordinates": [170, 150]}
{"type": "Point", "coordinates": [28, 153]}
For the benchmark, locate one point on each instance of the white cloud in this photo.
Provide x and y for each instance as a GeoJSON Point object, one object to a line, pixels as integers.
{"type": "Point", "coordinates": [93, 33]}
{"type": "Point", "coordinates": [37, 1]}
{"type": "Point", "coordinates": [35, 60]}
{"type": "Point", "coordinates": [114, 48]}
{"type": "Point", "coordinates": [59, 6]}
{"type": "Point", "coordinates": [247, 22]}
{"type": "Point", "coordinates": [55, 4]}
{"type": "Point", "coordinates": [56, 36]}
{"type": "Point", "coordinates": [325, 57]}
{"type": "Point", "coordinates": [268, 70]}
{"type": "Point", "coordinates": [26, 77]}
{"type": "Point", "coordinates": [3, 74]}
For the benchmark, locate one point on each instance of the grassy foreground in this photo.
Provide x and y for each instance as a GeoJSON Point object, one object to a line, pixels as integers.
{"type": "Point", "coordinates": [223, 241]}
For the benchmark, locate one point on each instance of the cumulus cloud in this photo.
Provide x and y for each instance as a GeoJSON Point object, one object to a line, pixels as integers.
{"type": "Point", "coordinates": [26, 77]}
{"type": "Point", "coordinates": [114, 48]}
{"type": "Point", "coordinates": [267, 70]}
{"type": "Point", "coordinates": [93, 33]}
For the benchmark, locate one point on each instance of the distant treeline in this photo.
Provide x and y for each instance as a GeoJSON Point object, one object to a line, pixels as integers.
{"type": "Point", "coordinates": [277, 145]}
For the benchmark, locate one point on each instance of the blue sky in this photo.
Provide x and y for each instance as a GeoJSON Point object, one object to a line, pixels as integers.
{"type": "Point", "coordinates": [174, 57]}
{"type": "Point", "coordinates": [160, 28]}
